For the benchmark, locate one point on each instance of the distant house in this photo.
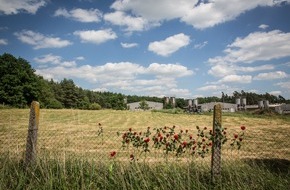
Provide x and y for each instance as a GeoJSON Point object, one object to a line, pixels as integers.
{"type": "Point", "coordinates": [226, 107]}
{"type": "Point", "coordinates": [135, 106]}
{"type": "Point", "coordinates": [283, 109]}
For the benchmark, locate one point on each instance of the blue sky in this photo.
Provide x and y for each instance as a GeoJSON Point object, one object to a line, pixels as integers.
{"type": "Point", "coordinates": [182, 48]}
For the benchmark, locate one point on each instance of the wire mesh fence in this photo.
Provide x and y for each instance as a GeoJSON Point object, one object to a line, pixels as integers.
{"type": "Point", "coordinates": [98, 135]}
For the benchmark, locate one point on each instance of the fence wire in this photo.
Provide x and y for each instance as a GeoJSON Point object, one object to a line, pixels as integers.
{"type": "Point", "coordinates": [68, 133]}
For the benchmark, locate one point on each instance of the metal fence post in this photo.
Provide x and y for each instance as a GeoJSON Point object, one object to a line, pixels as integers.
{"type": "Point", "coordinates": [30, 156]}
{"type": "Point", "coordinates": [216, 144]}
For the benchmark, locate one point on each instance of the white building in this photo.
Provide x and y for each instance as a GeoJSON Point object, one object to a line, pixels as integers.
{"type": "Point", "coordinates": [135, 106]}
{"type": "Point", "coordinates": [226, 107]}
{"type": "Point", "coordinates": [283, 109]}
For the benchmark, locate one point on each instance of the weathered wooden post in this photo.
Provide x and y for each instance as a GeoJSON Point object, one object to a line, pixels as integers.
{"type": "Point", "coordinates": [216, 143]}
{"type": "Point", "coordinates": [30, 156]}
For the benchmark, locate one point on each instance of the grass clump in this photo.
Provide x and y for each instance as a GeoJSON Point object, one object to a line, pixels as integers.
{"type": "Point", "coordinates": [75, 173]}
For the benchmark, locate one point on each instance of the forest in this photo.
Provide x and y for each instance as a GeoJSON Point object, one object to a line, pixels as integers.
{"type": "Point", "coordinates": [20, 85]}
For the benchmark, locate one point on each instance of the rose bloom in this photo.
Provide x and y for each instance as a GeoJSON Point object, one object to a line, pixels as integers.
{"type": "Point", "coordinates": [147, 140]}
{"type": "Point", "coordinates": [236, 136]}
{"type": "Point", "coordinates": [243, 127]}
{"type": "Point", "coordinates": [176, 136]}
{"type": "Point", "coordinates": [113, 153]}
{"type": "Point", "coordinates": [184, 143]}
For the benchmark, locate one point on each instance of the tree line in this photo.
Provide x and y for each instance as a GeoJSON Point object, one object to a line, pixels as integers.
{"type": "Point", "coordinates": [20, 85]}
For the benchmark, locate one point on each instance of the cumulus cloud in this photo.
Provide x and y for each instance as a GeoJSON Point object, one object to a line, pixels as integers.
{"type": "Point", "coordinates": [257, 46]}
{"type": "Point", "coordinates": [81, 15]}
{"type": "Point", "coordinates": [10, 7]}
{"type": "Point", "coordinates": [263, 26]}
{"type": "Point", "coordinates": [173, 70]}
{"type": "Point", "coordinates": [213, 87]}
{"type": "Point", "coordinates": [54, 59]}
{"type": "Point", "coordinates": [169, 45]}
{"type": "Point", "coordinates": [129, 45]}
{"type": "Point", "coordinates": [192, 12]}
{"type": "Point", "coordinates": [285, 85]}
{"type": "Point", "coordinates": [40, 41]}
{"type": "Point", "coordinates": [275, 93]}
{"type": "Point", "coordinates": [3, 42]}
{"type": "Point", "coordinates": [271, 75]}
{"type": "Point", "coordinates": [236, 79]}
{"type": "Point", "coordinates": [130, 23]}
{"type": "Point", "coordinates": [96, 36]}
{"type": "Point", "coordinates": [120, 76]}
{"type": "Point", "coordinates": [222, 69]}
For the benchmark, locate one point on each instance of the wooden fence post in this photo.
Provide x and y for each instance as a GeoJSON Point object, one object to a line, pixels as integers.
{"type": "Point", "coordinates": [216, 143]}
{"type": "Point", "coordinates": [30, 156]}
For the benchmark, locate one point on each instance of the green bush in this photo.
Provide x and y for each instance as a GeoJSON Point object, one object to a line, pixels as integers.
{"type": "Point", "coordinates": [95, 106]}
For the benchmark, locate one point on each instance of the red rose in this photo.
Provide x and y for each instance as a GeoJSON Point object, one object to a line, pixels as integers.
{"type": "Point", "coordinates": [112, 154]}
{"type": "Point", "coordinates": [190, 137]}
{"type": "Point", "coordinates": [147, 140]}
{"type": "Point", "coordinates": [184, 143]}
{"type": "Point", "coordinates": [130, 129]}
{"type": "Point", "coordinates": [243, 127]}
{"type": "Point", "coordinates": [236, 136]}
{"type": "Point", "coordinates": [176, 136]}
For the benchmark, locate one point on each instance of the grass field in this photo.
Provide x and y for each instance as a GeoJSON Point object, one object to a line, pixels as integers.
{"type": "Point", "coordinates": [77, 131]}
{"type": "Point", "coordinates": [72, 154]}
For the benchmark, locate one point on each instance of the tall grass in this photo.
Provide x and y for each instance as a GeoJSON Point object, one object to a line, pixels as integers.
{"type": "Point", "coordinates": [74, 173]}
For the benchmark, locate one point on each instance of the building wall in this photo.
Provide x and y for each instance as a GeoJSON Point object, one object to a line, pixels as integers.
{"type": "Point", "coordinates": [226, 107]}
{"type": "Point", "coordinates": [135, 106]}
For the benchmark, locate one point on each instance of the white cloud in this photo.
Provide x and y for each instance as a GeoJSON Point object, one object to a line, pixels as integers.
{"type": "Point", "coordinates": [10, 7]}
{"type": "Point", "coordinates": [171, 70]}
{"type": "Point", "coordinates": [129, 22]}
{"type": "Point", "coordinates": [100, 90]}
{"type": "Point", "coordinates": [263, 26]}
{"type": "Point", "coordinates": [275, 93]}
{"type": "Point", "coordinates": [155, 10]}
{"type": "Point", "coordinates": [271, 75]}
{"type": "Point", "coordinates": [54, 59]}
{"type": "Point", "coordinates": [39, 41]}
{"type": "Point", "coordinates": [221, 70]}
{"type": "Point", "coordinates": [121, 76]}
{"type": "Point", "coordinates": [257, 46]}
{"type": "Point", "coordinates": [48, 58]}
{"type": "Point", "coordinates": [3, 42]}
{"type": "Point", "coordinates": [199, 14]}
{"type": "Point", "coordinates": [285, 85]}
{"type": "Point", "coordinates": [81, 15]}
{"type": "Point", "coordinates": [236, 79]}
{"type": "Point", "coordinates": [129, 45]}
{"type": "Point", "coordinates": [80, 58]}
{"type": "Point", "coordinates": [201, 45]}
{"type": "Point", "coordinates": [96, 36]}
{"type": "Point", "coordinates": [169, 45]}
{"type": "Point", "coordinates": [213, 87]}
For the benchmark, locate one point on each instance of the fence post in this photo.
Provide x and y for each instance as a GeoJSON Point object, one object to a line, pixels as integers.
{"type": "Point", "coordinates": [216, 144]}
{"type": "Point", "coordinates": [30, 156]}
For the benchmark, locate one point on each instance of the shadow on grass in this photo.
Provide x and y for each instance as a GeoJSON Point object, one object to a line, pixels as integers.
{"type": "Point", "coordinates": [274, 165]}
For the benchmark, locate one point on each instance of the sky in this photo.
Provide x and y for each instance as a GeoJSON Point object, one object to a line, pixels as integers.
{"type": "Point", "coordinates": [180, 48]}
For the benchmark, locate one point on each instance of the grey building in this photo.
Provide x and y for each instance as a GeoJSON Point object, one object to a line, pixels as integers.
{"type": "Point", "coordinates": [226, 107]}
{"type": "Point", "coordinates": [135, 106]}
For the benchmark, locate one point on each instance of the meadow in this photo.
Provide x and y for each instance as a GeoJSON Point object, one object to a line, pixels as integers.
{"type": "Point", "coordinates": [74, 148]}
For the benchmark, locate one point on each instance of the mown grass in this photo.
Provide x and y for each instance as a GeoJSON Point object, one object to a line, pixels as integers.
{"type": "Point", "coordinates": [74, 173]}
{"type": "Point", "coordinates": [76, 132]}
{"type": "Point", "coordinates": [71, 154]}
